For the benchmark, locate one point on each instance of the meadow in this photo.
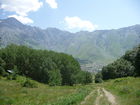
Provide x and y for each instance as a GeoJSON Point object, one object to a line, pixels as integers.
{"type": "Point", "coordinates": [13, 93]}
{"type": "Point", "coordinates": [125, 90]}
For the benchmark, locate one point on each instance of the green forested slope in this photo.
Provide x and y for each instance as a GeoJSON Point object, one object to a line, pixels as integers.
{"type": "Point", "coordinates": [127, 65]}
{"type": "Point", "coordinates": [44, 66]}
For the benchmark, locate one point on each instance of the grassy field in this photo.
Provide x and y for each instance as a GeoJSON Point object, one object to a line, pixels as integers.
{"type": "Point", "coordinates": [125, 90]}
{"type": "Point", "coordinates": [12, 93]}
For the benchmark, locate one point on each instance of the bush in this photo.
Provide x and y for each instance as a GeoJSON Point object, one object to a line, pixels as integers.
{"type": "Point", "coordinates": [119, 68]}
{"type": "Point", "coordinates": [20, 79]}
{"type": "Point", "coordinates": [14, 76]}
{"type": "Point", "coordinates": [11, 77]}
{"type": "Point", "coordinates": [116, 81]}
{"type": "Point", "coordinates": [2, 71]}
{"type": "Point", "coordinates": [5, 74]}
{"type": "Point", "coordinates": [2, 65]}
{"type": "Point", "coordinates": [29, 84]}
{"type": "Point", "coordinates": [87, 78]}
{"type": "Point", "coordinates": [98, 78]}
{"type": "Point", "coordinates": [82, 77]}
{"type": "Point", "coordinates": [137, 93]}
{"type": "Point", "coordinates": [125, 90]}
{"type": "Point", "coordinates": [6, 100]}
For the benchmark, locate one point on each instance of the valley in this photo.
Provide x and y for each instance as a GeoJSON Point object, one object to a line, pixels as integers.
{"type": "Point", "coordinates": [69, 52]}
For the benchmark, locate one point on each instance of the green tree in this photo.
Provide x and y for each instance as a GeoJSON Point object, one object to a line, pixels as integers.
{"type": "Point", "coordinates": [120, 68]}
{"type": "Point", "coordinates": [87, 78]}
{"type": "Point", "coordinates": [98, 77]}
{"type": "Point", "coordinates": [2, 65]}
{"type": "Point", "coordinates": [137, 62]}
{"type": "Point", "coordinates": [44, 66]}
{"type": "Point", "coordinates": [54, 78]}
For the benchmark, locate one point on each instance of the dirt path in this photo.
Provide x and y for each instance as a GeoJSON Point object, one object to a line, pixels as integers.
{"type": "Point", "coordinates": [110, 97]}
{"type": "Point", "coordinates": [104, 94]}
{"type": "Point", "coordinates": [98, 97]}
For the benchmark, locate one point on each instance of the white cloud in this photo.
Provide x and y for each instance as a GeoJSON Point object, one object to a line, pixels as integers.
{"type": "Point", "coordinates": [21, 8]}
{"type": "Point", "coordinates": [22, 19]}
{"type": "Point", "coordinates": [52, 3]}
{"type": "Point", "coordinates": [79, 24]}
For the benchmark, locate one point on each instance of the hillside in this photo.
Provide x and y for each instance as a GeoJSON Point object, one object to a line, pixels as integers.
{"type": "Point", "coordinates": [92, 49]}
{"type": "Point", "coordinates": [127, 65]}
{"type": "Point", "coordinates": [128, 94]}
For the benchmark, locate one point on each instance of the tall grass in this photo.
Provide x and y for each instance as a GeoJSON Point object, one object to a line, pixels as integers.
{"type": "Point", "coordinates": [127, 90]}
{"type": "Point", "coordinates": [12, 92]}
{"type": "Point", "coordinates": [72, 99]}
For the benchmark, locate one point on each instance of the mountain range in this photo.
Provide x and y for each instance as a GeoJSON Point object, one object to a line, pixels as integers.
{"type": "Point", "coordinates": [92, 49]}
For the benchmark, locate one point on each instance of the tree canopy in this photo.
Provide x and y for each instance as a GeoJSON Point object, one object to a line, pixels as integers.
{"type": "Point", "coordinates": [127, 65]}
{"type": "Point", "coordinates": [43, 65]}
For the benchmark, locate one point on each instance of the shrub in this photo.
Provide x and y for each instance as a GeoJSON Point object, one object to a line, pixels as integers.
{"type": "Point", "coordinates": [29, 84]}
{"type": "Point", "coordinates": [2, 71]}
{"type": "Point", "coordinates": [125, 90]}
{"type": "Point", "coordinates": [14, 76]}
{"type": "Point", "coordinates": [98, 78]}
{"type": "Point", "coordinates": [5, 74]}
{"type": "Point", "coordinates": [116, 81]}
{"type": "Point", "coordinates": [137, 93]}
{"type": "Point", "coordinates": [119, 68]}
{"type": "Point", "coordinates": [11, 76]}
{"type": "Point", "coordinates": [6, 100]}
{"type": "Point", "coordinates": [2, 65]}
{"type": "Point", "coordinates": [21, 79]}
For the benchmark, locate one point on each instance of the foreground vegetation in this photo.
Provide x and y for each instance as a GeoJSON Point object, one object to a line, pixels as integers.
{"type": "Point", "coordinates": [126, 90]}
{"type": "Point", "coordinates": [12, 92]}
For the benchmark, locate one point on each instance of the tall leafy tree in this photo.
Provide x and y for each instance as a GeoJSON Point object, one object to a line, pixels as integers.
{"type": "Point", "coordinates": [54, 78]}
{"type": "Point", "coordinates": [44, 66]}
{"type": "Point", "coordinates": [137, 62]}
{"type": "Point", "coordinates": [127, 65]}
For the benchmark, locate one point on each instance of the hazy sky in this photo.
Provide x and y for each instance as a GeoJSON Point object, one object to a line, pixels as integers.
{"type": "Point", "coordinates": [73, 15]}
